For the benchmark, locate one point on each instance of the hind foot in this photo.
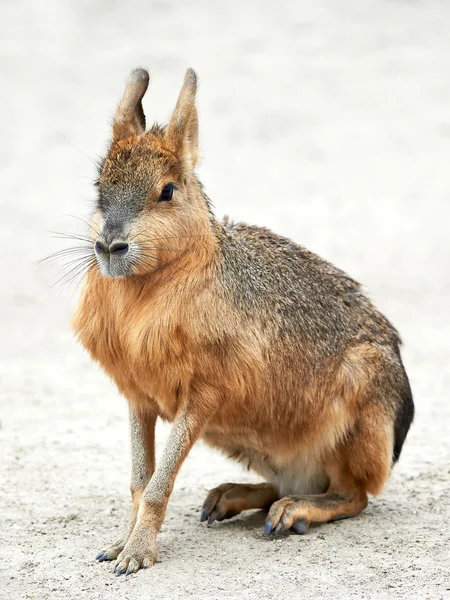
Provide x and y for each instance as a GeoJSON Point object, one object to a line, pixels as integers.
{"type": "Point", "coordinates": [297, 512]}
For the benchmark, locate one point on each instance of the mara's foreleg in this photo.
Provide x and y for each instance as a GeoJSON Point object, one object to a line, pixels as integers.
{"type": "Point", "coordinates": [229, 499]}
{"type": "Point", "coordinates": [142, 438]}
{"type": "Point", "coordinates": [140, 549]}
{"type": "Point", "coordinates": [361, 465]}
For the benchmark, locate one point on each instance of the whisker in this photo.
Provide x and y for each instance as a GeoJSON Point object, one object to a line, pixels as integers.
{"type": "Point", "coordinates": [139, 262]}
{"type": "Point", "coordinates": [164, 269]}
{"type": "Point", "coordinates": [63, 253]}
{"type": "Point", "coordinates": [76, 260]}
{"type": "Point", "coordinates": [94, 229]}
{"type": "Point", "coordinates": [80, 265]}
{"type": "Point", "coordinates": [79, 260]}
{"type": "Point", "coordinates": [81, 272]}
{"type": "Point", "coordinates": [80, 151]}
{"type": "Point", "coordinates": [71, 236]}
{"type": "Point", "coordinates": [166, 262]}
{"type": "Point", "coordinates": [67, 281]}
{"type": "Point", "coordinates": [165, 249]}
{"type": "Point", "coordinates": [81, 278]}
{"type": "Point", "coordinates": [166, 237]}
{"type": "Point", "coordinates": [162, 272]}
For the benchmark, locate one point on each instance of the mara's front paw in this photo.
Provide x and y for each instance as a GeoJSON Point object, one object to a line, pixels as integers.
{"type": "Point", "coordinates": [111, 552]}
{"type": "Point", "coordinates": [139, 552]}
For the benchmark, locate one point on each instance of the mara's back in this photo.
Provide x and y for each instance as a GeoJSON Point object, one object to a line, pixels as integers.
{"type": "Point", "coordinates": [302, 298]}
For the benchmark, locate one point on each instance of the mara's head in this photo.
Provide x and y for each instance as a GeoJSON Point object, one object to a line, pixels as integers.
{"type": "Point", "coordinates": [150, 209]}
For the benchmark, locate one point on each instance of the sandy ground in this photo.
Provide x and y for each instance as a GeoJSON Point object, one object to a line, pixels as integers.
{"type": "Point", "coordinates": [327, 121]}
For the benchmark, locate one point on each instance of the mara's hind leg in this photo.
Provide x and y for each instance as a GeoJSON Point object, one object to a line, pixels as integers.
{"type": "Point", "coordinates": [297, 512]}
{"type": "Point", "coordinates": [229, 499]}
{"type": "Point", "coordinates": [361, 465]}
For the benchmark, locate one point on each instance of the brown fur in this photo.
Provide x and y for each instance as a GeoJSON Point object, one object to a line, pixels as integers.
{"type": "Point", "coordinates": [238, 336]}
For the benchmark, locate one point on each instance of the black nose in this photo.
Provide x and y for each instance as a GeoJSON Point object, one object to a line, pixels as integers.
{"type": "Point", "coordinates": [100, 247]}
{"type": "Point", "coordinates": [119, 248]}
{"type": "Point", "coordinates": [116, 248]}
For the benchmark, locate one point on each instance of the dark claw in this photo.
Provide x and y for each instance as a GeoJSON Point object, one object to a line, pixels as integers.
{"type": "Point", "coordinates": [300, 526]}
{"type": "Point", "coordinates": [214, 516]}
{"type": "Point", "coordinates": [119, 570]}
{"type": "Point", "coordinates": [268, 527]}
{"type": "Point", "coordinates": [103, 557]}
{"type": "Point", "coordinates": [279, 527]}
{"type": "Point", "coordinates": [99, 556]}
{"type": "Point", "coordinates": [203, 516]}
{"type": "Point", "coordinates": [129, 571]}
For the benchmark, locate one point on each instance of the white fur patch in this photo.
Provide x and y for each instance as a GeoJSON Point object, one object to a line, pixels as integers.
{"type": "Point", "coordinates": [299, 476]}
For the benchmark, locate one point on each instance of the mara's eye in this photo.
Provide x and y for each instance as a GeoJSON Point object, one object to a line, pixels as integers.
{"type": "Point", "coordinates": [167, 193]}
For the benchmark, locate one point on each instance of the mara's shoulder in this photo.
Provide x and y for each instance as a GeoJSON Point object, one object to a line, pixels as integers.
{"type": "Point", "coordinates": [271, 249]}
{"type": "Point", "coordinates": [259, 240]}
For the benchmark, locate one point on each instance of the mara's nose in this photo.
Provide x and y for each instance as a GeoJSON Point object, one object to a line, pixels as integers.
{"type": "Point", "coordinates": [118, 248]}
{"type": "Point", "coordinates": [115, 248]}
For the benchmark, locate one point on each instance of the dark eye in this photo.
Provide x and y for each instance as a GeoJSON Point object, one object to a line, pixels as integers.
{"type": "Point", "coordinates": [167, 193]}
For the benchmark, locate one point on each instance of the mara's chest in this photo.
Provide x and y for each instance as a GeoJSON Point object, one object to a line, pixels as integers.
{"type": "Point", "coordinates": [142, 344]}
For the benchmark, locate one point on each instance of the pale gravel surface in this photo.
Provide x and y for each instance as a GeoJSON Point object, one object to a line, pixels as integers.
{"type": "Point", "coordinates": [329, 122]}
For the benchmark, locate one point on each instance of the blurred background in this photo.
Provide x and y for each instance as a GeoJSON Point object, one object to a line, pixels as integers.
{"type": "Point", "coordinates": [329, 122]}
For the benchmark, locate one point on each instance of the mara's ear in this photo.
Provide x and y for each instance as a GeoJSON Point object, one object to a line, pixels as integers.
{"type": "Point", "coordinates": [182, 132]}
{"type": "Point", "coordinates": [129, 118]}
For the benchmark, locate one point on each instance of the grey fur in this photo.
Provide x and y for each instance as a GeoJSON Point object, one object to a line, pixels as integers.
{"type": "Point", "coordinates": [140, 475]}
{"type": "Point", "coordinates": [303, 295]}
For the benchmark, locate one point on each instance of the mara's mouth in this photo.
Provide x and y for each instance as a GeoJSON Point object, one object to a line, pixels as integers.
{"type": "Point", "coordinates": [113, 267]}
